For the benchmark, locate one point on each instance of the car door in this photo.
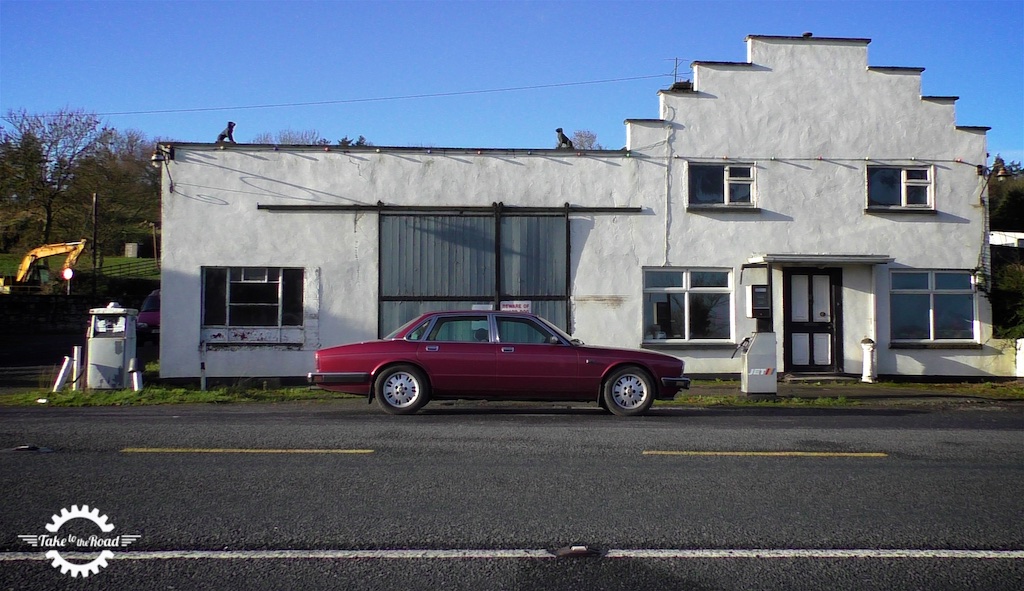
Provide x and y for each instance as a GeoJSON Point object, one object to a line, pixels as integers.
{"type": "Point", "coordinates": [458, 356]}
{"type": "Point", "coordinates": [529, 365]}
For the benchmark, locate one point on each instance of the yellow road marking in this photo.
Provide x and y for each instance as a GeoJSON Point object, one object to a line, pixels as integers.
{"type": "Point", "coordinates": [771, 454]}
{"type": "Point", "coordinates": [225, 450]}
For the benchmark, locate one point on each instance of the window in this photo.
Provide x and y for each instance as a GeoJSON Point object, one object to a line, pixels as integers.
{"type": "Point", "coordinates": [721, 185]}
{"type": "Point", "coordinates": [465, 262]}
{"type": "Point", "coordinates": [462, 329]}
{"type": "Point", "coordinates": [521, 330]}
{"type": "Point", "coordinates": [252, 296]}
{"type": "Point", "coordinates": [899, 187]}
{"type": "Point", "coordinates": [932, 305]}
{"type": "Point", "coordinates": [687, 304]}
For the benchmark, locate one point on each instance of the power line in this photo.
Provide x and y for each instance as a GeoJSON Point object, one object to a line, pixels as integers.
{"type": "Point", "coordinates": [381, 99]}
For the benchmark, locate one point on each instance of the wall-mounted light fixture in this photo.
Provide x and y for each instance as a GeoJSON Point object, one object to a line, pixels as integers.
{"type": "Point", "coordinates": [161, 156]}
{"type": "Point", "coordinates": [997, 169]}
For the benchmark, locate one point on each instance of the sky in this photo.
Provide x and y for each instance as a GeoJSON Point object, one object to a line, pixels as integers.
{"type": "Point", "coordinates": [467, 74]}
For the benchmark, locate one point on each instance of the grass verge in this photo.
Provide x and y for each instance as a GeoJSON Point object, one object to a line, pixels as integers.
{"type": "Point", "coordinates": [780, 401]}
{"type": "Point", "coordinates": [164, 395]}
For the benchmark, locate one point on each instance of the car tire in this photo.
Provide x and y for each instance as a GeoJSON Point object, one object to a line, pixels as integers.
{"type": "Point", "coordinates": [629, 391]}
{"type": "Point", "coordinates": [401, 389]}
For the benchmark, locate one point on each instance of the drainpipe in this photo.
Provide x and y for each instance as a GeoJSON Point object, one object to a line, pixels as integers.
{"type": "Point", "coordinates": [202, 366]}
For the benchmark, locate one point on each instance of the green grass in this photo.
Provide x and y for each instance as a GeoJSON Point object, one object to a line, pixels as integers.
{"type": "Point", "coordinates": [151, 395]}
{"type": "Point", "coordinates": [1008, 390]}
{"type": "Point", "coordinates": [736, 400]}
{"type": "Point", "coordinates": [9, 262]}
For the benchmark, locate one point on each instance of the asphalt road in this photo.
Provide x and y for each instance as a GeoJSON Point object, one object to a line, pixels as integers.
{"type": "Point", "coordinates": [234, 497]}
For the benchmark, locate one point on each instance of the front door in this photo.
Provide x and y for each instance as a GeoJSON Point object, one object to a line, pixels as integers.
{"type": "Point", "coordinates": [812, 300]}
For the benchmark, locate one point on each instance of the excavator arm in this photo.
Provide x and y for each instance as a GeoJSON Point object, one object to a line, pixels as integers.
{"type": "Point", "coordinates": [72, 249]}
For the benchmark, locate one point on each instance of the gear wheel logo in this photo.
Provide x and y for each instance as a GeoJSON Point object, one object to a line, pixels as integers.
{"type": "Point", "coordinates": [89, 568]}
{"type": "Point", "coordinates": [70, 542]}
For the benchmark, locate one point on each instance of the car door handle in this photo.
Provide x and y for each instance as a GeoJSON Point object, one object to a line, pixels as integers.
{"type": "Point", "coordinates": [508, 349]}
{"type": "Point", "coordinates": [433, 348]}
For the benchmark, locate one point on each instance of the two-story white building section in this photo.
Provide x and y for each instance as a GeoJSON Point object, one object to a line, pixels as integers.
{"type": "Point", "coordinates": [853, 202]}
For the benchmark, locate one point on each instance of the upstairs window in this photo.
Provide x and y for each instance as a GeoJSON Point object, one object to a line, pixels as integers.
{"type": "Point", "coordinates": [687, 305]}
{"type": "Point", "coordinates": [932, 305]}
{"type": "Point", "coordinates": [731, 184]}
{"type": "Point", "coordinates": [893, 187]}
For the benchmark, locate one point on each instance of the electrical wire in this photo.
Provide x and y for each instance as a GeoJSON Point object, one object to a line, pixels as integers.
{"type": "Point", "coordinates": [382, 99]}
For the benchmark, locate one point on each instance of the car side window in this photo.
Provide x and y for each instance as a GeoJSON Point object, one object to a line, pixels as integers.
{"type": "Point", "coordinates": [418, 332]}
{"type": "Point", "coordinates": [461, 329]}
{"type": "Point", "coordinates": [522, 331]}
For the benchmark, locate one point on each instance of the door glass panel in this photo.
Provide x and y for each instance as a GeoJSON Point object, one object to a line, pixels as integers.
{"type": "Point", "coordinates": [801, 347]}
{"type": "Point", "coordinates": [822, 349]}
{"type": "Point", "coordinates": [822, 309]}
{"type": "Point", "coordinates": [800, 304]}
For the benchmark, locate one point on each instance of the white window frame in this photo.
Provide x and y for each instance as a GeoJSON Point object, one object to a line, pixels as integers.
{"type": "Point", "coordinates": [906, 182]}
{"type": "Point", "coordinates": [255, 335]}
{"type": "Point", "coordinates": [650, 329]}
{"type": "Point", "coordinates": [727, 181]}
{"type": "Point", "coordinates": [932, 291]}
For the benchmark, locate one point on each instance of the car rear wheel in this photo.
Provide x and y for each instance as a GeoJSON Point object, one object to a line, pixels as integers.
{"type": "Point", "coordinates": [629, 391]}
{"type": "Point", "coordinates": [401, 389]}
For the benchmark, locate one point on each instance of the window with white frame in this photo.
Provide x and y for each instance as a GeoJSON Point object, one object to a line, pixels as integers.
{"type": "Point", "coordinates": [688, 304]}
{"type": "Point", "coordinates": [932, 305]}
{"type": "Point", "coordinates": [891, 187]}
{"type": "Point", "coordinates": [716, 184]}
{"type": "Point", "coordinates": [252, 296]}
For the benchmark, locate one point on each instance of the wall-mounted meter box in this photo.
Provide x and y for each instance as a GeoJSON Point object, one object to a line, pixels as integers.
{"type": "Point", "coordinates": [759, 301]}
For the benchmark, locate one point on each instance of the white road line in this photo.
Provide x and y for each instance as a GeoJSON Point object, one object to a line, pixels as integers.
{"type": "Point", "coordinates": [458, 554]}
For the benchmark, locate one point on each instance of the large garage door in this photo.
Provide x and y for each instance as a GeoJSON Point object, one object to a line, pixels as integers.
{"type": "Point", "coordinates": [452, 262]}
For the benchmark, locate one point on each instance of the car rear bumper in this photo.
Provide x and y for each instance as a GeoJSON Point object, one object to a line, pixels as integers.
{"type": "Point", "coordinates": [337, 378]}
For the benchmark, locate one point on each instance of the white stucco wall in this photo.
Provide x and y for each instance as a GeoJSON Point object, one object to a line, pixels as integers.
{"type": "Point", "coordinates": [808, 114]}
{"type": "Point", "coordinates": [211, 219]}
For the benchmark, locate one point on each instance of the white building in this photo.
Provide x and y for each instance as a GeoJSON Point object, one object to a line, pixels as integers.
{"type": "Point", "coordinates": [859, 199]}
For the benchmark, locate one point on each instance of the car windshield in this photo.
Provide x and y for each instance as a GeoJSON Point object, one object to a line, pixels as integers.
{"type": "Point", "coordinates": [151, 304]}
{"type": "Point", "coordinates": [559, 331]}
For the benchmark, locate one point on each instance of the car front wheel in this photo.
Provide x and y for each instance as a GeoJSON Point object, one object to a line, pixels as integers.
{"type": "Point", "coordinates": [401, 389]}
{"type": "Point", "coordinates": [629, 391]}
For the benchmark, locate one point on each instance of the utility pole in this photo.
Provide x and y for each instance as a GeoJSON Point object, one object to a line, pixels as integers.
{"type": "Point", "coordinates": [95, 244]}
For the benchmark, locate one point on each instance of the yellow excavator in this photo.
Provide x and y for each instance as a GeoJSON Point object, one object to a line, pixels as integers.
{"type": "Point", "coordinates": [28, 264]}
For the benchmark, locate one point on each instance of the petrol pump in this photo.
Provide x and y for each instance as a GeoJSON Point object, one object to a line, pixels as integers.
{"type": "Point", "coordinates": [759, 377]}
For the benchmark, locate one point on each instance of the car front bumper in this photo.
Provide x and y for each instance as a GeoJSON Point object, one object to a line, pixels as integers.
{"type": "Point", "coordinates": [679, 383]}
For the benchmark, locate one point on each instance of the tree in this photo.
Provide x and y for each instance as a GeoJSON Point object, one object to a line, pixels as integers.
{"type": "Point", "coordinates": [360, 141]}
{"type": "Point", "coordinates": [584, 139]}
{"type": "Point", "coordinates": [289, 137]}
{"type": "Point", "coordinates": [119, 172]}
{"type": "Point", "coordinates": [42, 153]}
{"type": "Point", "coordinates": [1006, 196]}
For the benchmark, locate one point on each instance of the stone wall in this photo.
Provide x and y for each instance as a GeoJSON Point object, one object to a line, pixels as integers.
{"type": "Point", "coordinates": [46, 314]}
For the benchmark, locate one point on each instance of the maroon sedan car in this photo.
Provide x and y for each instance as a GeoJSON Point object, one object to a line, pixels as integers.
{"type": "Point", "coordinates": [495, 356]}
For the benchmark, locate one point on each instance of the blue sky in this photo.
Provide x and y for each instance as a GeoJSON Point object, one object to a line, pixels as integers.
{"type": "Point", "coordinates": [201, 63]}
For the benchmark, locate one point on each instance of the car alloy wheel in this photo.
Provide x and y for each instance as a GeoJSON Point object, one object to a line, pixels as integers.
{"type": "Point", "coordinates": [401, 389]}
{"type": "Point", "coordinates": [629, 391]}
